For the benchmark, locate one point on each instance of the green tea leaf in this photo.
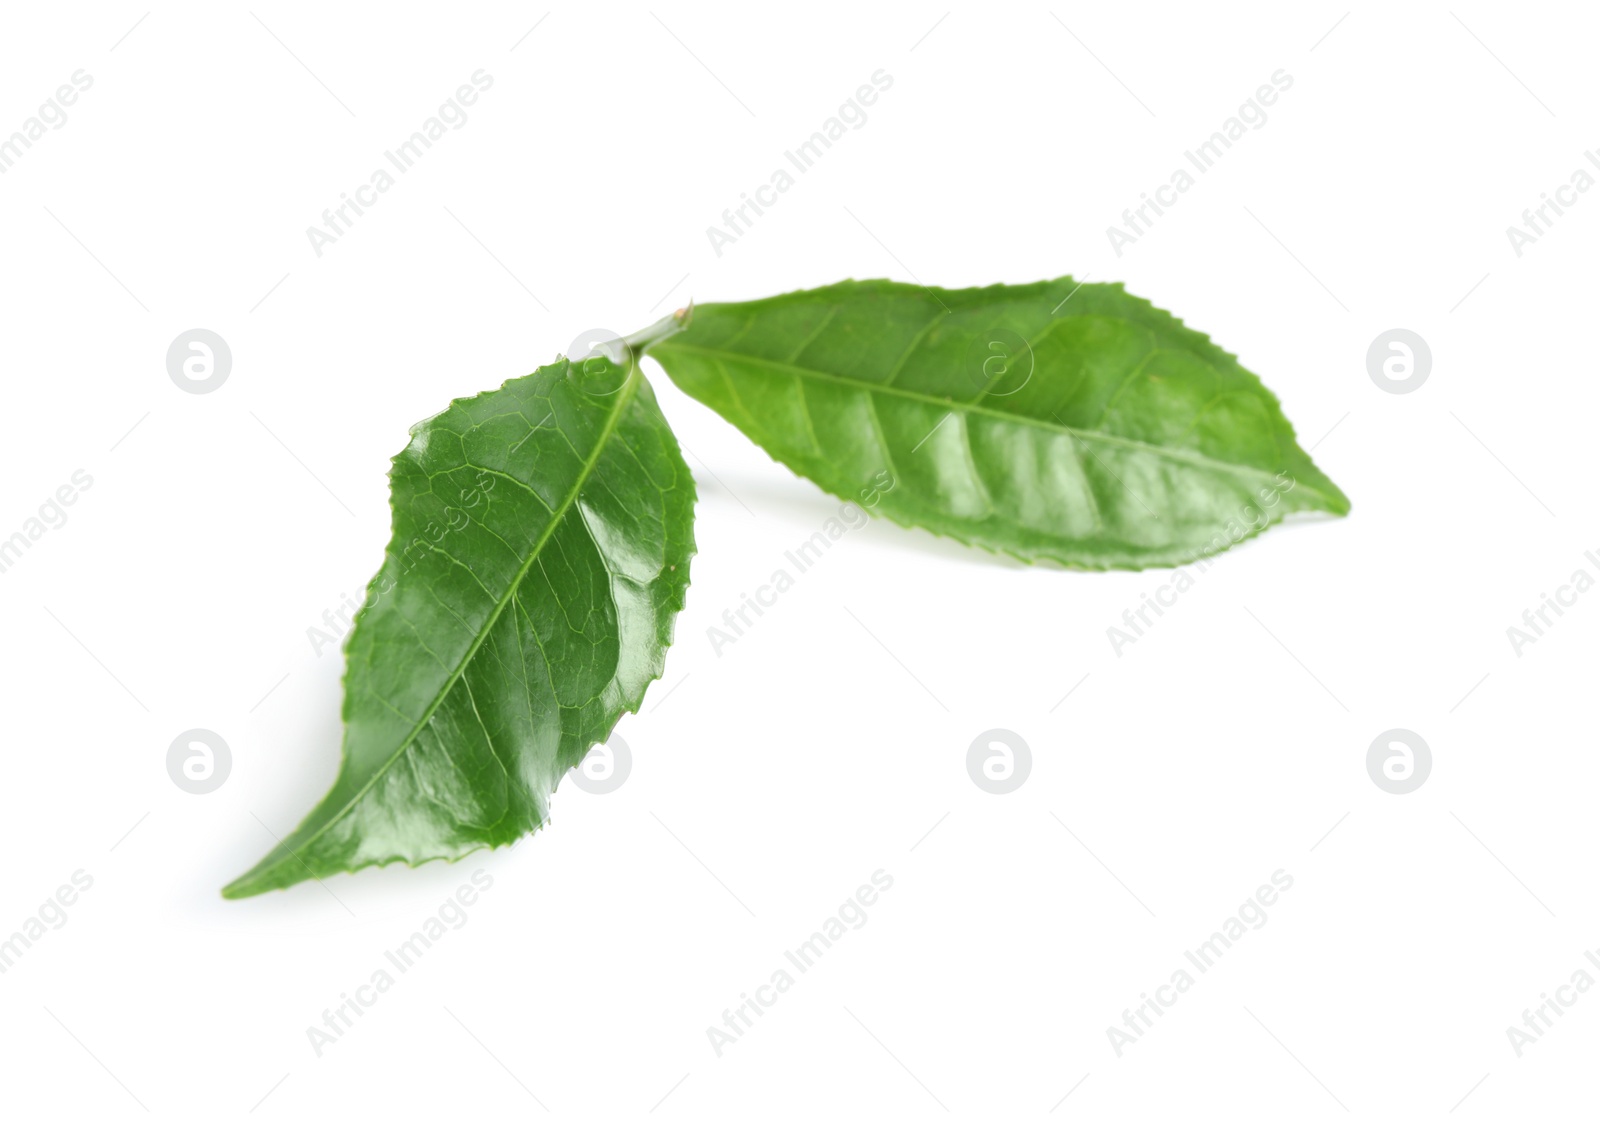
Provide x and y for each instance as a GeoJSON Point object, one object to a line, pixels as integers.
{"type": "Point", "coordinates": [1056, 421]}
{"type": "Point", "coordinates": [542, 536]}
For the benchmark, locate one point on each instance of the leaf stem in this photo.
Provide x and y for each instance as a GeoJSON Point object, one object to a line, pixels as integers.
{"type": "Point", "coordinates": [671, 325]}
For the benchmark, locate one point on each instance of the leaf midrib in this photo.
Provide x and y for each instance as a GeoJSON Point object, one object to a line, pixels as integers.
{"type": "Point", "coordinates": [952, 405]}
{"type": "Point", "coordinates": [624, 396]}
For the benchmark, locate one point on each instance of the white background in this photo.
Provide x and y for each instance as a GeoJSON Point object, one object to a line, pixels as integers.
{"type": "Point", "coordinates": [1228, 743]}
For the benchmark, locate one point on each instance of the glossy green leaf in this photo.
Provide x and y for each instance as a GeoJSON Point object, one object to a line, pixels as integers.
{"type": "Point", "coordinates": [542, 536]}
{"type": "Point", "coordinates": [1056, 421]}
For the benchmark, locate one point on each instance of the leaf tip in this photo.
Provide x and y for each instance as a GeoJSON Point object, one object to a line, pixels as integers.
{"type": "Point", "coordinates": [241, 888]}
{"type": "Point", "coordinates": [1338, 502]}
